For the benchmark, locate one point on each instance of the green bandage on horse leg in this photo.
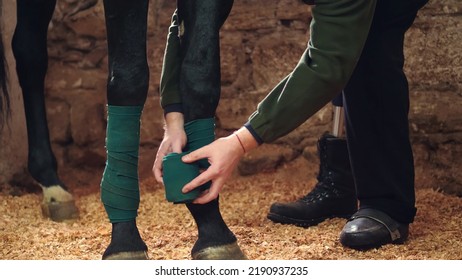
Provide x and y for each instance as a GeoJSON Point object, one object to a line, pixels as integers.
{"type": "Point", "coordinates": [119, 187]}
{"type": "Point", "coordinates": [200, 133]}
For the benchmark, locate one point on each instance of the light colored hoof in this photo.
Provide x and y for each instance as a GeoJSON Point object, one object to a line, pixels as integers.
{"type": "Point", "coordinates": [137, 255]}
{"type": "Point", "coordinates": [60, 211]}
{"type": "Point", "coordinates": [58, 204]}
{"type": "Point", "coordinates": [224, 252]}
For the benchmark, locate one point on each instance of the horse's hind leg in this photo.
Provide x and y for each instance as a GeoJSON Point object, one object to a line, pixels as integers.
{"type": "Point", "coordinates": [126, 24]}
{"type": "Point", "coordinates": [200, 84]}
{"type": "Point", "coordinates": [30, 51]}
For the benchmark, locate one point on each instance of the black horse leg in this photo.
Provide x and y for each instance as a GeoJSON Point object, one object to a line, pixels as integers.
{"type": "Point", "coordinates": [30, 51]}
{"type": "Point", "coordinates": [200, 76]}
{"type": "Point", "coordinates": [126, 25]}
{"type": "Point", "coordinates": [200, 84]}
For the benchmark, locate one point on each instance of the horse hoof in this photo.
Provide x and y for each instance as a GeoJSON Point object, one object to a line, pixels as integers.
{"type": "Point", "coordinates": [224, 252]}
{"type": "Point", "coordinates": [60, 211]}
{"type": "Point", "coordinates": [58, 204]}
{"type": "Point", "coordinates": [136, 255]}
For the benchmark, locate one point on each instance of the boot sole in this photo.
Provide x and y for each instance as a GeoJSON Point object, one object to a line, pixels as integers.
{"type": "Point", "coordinates": [301, 223]}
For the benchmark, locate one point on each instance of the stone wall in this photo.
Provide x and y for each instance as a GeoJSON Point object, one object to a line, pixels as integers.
{"type": "Point", "coordinates": [13, 138]}
{"type": "Point", "coordinates": [434, 69]}
{"type": "Point", "coordinates": [259, 47]}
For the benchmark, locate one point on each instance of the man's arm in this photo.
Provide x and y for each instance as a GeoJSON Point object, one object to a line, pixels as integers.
{"type": "Point", "coordinates": [339, 30]}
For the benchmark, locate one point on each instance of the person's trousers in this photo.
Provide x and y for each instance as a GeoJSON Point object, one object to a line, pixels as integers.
{"type": "Point", "coordinates": [376, 103]}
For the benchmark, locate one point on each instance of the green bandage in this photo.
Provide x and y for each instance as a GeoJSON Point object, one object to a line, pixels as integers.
{"type": "Point", "coordinates": [119, 187]}
{"type": "Point", "coordinates": [200, 133]}
{"type": "Point", "coordinates": [176, 173]}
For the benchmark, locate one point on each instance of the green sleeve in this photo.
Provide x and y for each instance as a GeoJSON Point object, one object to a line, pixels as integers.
{"type": "Point", "coordinates": [170, 76]}
{"type": "Point", "coordinates": [338, 31]}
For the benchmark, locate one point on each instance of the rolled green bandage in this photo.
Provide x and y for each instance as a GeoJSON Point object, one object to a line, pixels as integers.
{"type": "Point", "coordinates": [176, 174]}
{"type": "Point", "coordinates": [119, 187]}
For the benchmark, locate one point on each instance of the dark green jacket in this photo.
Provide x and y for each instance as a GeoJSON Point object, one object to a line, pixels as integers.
{"type": "Point", "coordinates": [170, 76]}
{"type": "Point", "coordinates": [338, 31]}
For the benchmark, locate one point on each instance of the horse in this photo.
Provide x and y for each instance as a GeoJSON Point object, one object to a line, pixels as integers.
{"type": "Point", "coordinates": [196, 76]}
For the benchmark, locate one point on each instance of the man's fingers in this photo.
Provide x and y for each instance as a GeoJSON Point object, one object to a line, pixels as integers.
{"type": "Point", "coordinates": [203, 178]}
{"type": "Point", "coordinates": [176, 148]}
{"type": "Point", "coordinates": [211, 194]}
{"type": "Point", "coordinates": [195, 155]}
{"type": "Point", "coordinates": [157, 169]}
{"type": "Point", "coordinates": [158, 176]}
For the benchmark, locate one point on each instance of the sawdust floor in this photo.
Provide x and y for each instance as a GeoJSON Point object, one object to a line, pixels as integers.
{"type": "Point", "coordinates": [170, 232]}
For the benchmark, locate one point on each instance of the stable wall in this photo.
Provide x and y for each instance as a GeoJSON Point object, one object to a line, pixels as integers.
{"type": "Point", "coordinates": [259, 47]}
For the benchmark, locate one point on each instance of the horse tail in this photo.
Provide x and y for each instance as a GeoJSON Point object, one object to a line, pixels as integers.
{"type": "Point", "coordinates": [4, 96]}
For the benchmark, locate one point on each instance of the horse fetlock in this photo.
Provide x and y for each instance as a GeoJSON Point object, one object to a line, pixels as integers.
{"type": "Point", "coordinates": [43, 171]}
{"type": "Point", "coordinates": [126, 243]}
{"type": "Point", "coordinates": [222, 252]}
{"type": "Point", "coordinates": [58, 204]}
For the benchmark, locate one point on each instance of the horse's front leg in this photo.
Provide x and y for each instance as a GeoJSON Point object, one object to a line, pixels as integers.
{"type": "Point", "coordinates": [126, 23]}
{"type": "Point", "coordinates": [30, 51]}
{"type": "Point", "coordinates": [200, 86]}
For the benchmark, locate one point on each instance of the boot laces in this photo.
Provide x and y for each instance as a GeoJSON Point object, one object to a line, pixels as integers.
{"type": "Point", "coordinates": [320, 192]}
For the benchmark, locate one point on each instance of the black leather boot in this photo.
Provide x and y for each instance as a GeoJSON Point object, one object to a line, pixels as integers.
{"type": "Point", "coordinates": [333, 196]}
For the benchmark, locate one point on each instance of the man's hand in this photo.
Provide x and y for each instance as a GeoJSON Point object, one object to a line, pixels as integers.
{"type": "Point", "coordinates": [173, 142]}
{"type": "Point", "coordinates": [223, 155]}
